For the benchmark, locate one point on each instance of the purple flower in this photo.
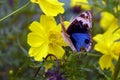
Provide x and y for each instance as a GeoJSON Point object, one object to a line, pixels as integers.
{"type": "Point", "coordinates": [54, 75]}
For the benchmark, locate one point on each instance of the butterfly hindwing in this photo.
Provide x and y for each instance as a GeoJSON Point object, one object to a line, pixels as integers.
{"type": "Point", "coordinates": [81, 41]}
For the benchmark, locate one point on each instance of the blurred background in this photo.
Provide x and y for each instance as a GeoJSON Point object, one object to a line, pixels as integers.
{"type": "Point", "coordinates": [15, 63]}
{"type": "Point", "coordinates": [14, 60]}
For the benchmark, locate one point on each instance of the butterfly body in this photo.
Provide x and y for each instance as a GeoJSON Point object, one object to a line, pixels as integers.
{"type": "Point", "coordinates": [78, 33]}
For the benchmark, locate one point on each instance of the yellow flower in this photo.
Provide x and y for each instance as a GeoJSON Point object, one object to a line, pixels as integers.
{"type": "Point", "coordinates": [106, 62]}
{"type": "Point", "coordinates": [107, 19]}
{"type": "Point", "coordinates": [116, 48]}
{"type": "Point", "coordinates": [107, 46]}
{"type": "Point", "coordinates": [117, 8]}
{"type": "Point", "coordinates": [45, 38]}
{"type": "Point", "coordinates": [50, 7]}
{"type": "Point", "coordinates": [82, 3]}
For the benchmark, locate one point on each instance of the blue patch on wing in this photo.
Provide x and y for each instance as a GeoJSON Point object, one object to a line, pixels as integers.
{"type": "Point", "coordinates": [80, 40]}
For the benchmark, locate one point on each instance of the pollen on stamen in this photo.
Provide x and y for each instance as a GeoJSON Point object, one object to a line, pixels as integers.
{"type": "Point", "coordinates": [54, 38]}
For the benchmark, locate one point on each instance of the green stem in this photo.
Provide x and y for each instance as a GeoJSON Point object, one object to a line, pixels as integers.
{"type": "Point", "coordinates": [93, 55]}
{"type": "Point", "coordinates": [15, 11]}
{"type": "Point", "coordinates": [117, 69]}
{"type": "Point", "coordinates": [89, 54]}
{"type": "Point", "coordinates": [36, 73]}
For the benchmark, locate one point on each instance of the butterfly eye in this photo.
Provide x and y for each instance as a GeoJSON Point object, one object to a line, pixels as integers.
{"type": "Point", "coordinates": [87, 41]}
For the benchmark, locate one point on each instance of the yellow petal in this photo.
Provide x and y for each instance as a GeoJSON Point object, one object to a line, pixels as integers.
{"type": "Point", "coordinates": [101, 45]}
{"type": "Point", "coordinates": [59, 28]}
{"type": "Point", "coordinates": [36, 27]}
{"type": "Point", "coordinates": [66, 23]}
{"type": "Point", "coordinates": [116, 48]}
{"type": "Point", "coordinates": [58, 51]}
{"type": "Point", "coordinates": [114, 25]}
{"type": "Point", "coordinates": [105, 42]}
{"type": "Point", "coordinates": [48, 22]}
{"type": "Point", "coordinates": [35, 1]}
{"type": "Point", "coordinates": [111, 35]}
{"type": "Point", "coordinates": [33, 51]}
{"type": "Point", "coordinates": [35, 40]}
{"type": "Point", "coordinates": [98, 38]}
{"type": "Point", "coordinates": [51, 7]}
{"type": "Point", "coordinates": [112, 68]}
{"type": "Point", "coordinates": [39, 52]}
{"type": "Point", "coordinates": [101, 48]}
{"type": "Point", "coordinates": [105, 62]}
{"type": "Point", "coordinates": [82, 3]}
{"type": "Point", "coordinates": [106, 20]}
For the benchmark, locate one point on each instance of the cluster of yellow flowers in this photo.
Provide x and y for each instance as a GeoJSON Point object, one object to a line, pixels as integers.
{"type": "Point", "coordinates": [45, 36]}
{"type": "Point", "coordinates": [107, 43]}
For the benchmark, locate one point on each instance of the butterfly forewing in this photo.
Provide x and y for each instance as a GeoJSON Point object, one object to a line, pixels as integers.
{"type": "Point", "coordinates": [80, 24]}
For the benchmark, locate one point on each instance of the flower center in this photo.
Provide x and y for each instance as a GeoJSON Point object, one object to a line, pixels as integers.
{"type": "Point", "coordinates": [54, 38]}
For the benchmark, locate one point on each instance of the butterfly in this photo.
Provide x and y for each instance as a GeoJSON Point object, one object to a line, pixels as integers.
{"type": "Point", "coordinates": [78, 33]}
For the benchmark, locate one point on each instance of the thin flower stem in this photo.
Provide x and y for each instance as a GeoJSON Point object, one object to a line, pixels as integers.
{"type": "Point", "coordinates": [89, 54]}
{"type": "Point", "coordinates": [15, 11]}
{"type": "Point", "coordinates": [117, 69]}
{"type": "Point", "coordinates": [93, 55]}
{"type": "Point", "coordinates": [58, 63]}
{"type": "Point", "coordinates": [36, 73]}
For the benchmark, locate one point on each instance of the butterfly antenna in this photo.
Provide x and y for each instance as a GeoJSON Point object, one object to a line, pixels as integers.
{"type": "Point", "coordinates": [62, 23]}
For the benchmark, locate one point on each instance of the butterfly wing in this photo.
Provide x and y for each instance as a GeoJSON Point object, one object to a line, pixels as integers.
{"type": "Point", "coordinates": [68, 40]}
{"type": "Point", "coordinates": [86, 19]}
{"type": "Point", "coordinates": [77, 33]}
{"type": "Point", "coordinates": [81, 24]}
{"type": "Point", "coordinates": [66, 36]}
{"type": "Point", "coordinates": [81, 41]}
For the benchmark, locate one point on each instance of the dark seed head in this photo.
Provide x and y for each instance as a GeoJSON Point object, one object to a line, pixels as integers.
{"type": "Point", "coordinates": [76, 9]}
